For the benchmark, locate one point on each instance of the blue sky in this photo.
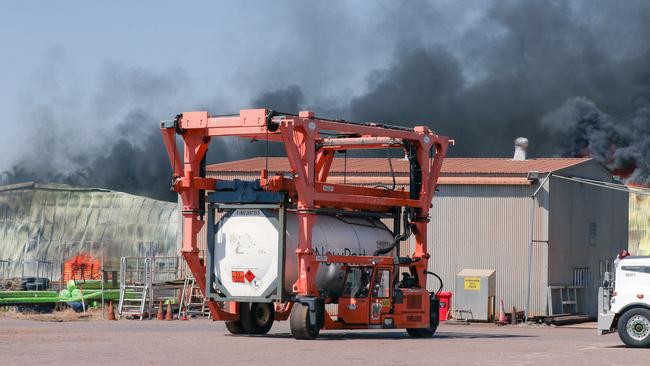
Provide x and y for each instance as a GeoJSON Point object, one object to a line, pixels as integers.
{"type": "Point", "coordinates": [58, 55]}
{"type": "Point", "coordinates": [213, 42]}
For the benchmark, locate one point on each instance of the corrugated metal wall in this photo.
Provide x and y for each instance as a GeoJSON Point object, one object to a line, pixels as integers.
{"type": "Point", "coordinates": [488, 227]}
{"type": "Point", "coordinates": [589, 225]}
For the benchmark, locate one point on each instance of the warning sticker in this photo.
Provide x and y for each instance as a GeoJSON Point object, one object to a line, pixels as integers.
{"type": "Point", "coordinates": [238, 276]}
{"type": "Point", "coordinates": [250, 276]}
{"type": "Point", "coordinates": [472, 283]}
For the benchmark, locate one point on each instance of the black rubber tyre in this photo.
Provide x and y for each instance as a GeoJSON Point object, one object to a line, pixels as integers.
{"type": "Point", "coordinates": [634, 328]}
{"type": "Point", "coordinates": [421, 332]}
{"type": "Point", "coordinates": [301, 327]}
{"type": "Point", "coordinates": [234, 327]}
{"type": "Point", "coordinates": [41, 283]}
{"type": "Point", "coordinates": [257, 317]}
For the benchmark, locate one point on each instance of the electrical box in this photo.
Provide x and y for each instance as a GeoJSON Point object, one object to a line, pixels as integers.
{"type": "Point", "coordinates": [475, 294]}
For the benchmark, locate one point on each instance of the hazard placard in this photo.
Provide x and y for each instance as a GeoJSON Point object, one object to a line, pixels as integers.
{"type": "Point", "coordinates": [250, 276]}
{"type": "Point", "coordinates": [472, 283]}
{"type": "Point", "coordinates": [238, 276]}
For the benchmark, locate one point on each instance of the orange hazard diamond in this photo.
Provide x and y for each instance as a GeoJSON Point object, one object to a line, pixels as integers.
{"type": "Point", "coordinates": [249, 276]}
{"type": "Point", "coordinates": [238, 276]}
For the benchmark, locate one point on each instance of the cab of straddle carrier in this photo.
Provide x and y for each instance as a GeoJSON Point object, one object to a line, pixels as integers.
{"type": "Point", "coordinates": [366, 296]}
{"type": "Point", "coordinates": [373, 298]}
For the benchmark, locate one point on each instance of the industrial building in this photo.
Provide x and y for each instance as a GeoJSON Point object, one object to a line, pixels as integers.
{"type": "Point", "coordinates": [481, 219]}
{"type": "Point", "coordinates": [545, 249]}
{"type": "Point", "coordinates": [52, 230]}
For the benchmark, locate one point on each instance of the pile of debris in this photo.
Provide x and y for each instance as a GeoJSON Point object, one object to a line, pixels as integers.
{"type": "Point", "coordinates": [564, 319]}
{"type": "Point", "coordinates": [24, 284]}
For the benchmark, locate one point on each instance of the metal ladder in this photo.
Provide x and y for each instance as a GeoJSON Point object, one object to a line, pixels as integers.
{"type": "Point", "coordinates": [140, 289]}
{"type": "Point", "coordinates": [192, 299]}
{"type": "Point", "coordinates": [568, 299]}
{"type": "Point", "coordinates": [133, 306]}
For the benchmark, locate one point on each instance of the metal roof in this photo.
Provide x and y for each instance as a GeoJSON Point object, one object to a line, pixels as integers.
{"type": "Point", "coordinates": [459, 168]}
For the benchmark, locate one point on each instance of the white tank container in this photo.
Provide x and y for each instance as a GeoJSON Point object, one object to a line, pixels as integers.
{"type": "Point", "coordinates": [246, 249]}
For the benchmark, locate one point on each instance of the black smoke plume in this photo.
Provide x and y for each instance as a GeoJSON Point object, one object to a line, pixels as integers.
{"type": "Point", "coordinates": [108, 139]}
{"type": "Point", "coordinates": [580, 129]}
{"type": "Point", "coordinates": [570, 76]}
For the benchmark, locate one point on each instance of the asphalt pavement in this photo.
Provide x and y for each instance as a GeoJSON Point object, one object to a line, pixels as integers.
{"type": "Point", "coordinates": [198, 342]}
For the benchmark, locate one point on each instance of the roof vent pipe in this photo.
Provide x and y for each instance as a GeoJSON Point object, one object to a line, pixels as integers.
{"type": "Point", "coordinates": [521, 145]}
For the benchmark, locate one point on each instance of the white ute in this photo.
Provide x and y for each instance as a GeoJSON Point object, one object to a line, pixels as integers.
{"type": "Point", "coordinates": [624, 302]}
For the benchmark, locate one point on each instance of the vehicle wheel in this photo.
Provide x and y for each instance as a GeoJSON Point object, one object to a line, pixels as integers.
{"type": "Point", "coordinates": [234, 327]}
{"type": "Point", "coordinates": [634, 327]}
{"type": "Point", "coordinates": [301, 326]}
{"type": "Point", "coordinates": [257, 317]}
{"type": "Point", "coordinates": [421, 332]}
{"type": "Point", "coordinates": [413, 332]}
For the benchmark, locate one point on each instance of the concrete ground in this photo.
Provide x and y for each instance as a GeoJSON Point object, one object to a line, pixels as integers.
{"type": "Point", "coordinates": [202, 342]}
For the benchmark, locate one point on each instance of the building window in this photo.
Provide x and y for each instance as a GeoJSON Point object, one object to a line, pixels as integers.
{"type": "Point", "coordinates": [582, 277]}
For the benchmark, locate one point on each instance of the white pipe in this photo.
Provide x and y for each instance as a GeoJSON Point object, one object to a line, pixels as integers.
{"type": "Point", "coordinates": [530, 247]}
{"type": "Point", "coordinates": [601, 184]}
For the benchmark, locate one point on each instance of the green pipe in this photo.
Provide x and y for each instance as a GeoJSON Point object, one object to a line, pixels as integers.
{"type": "Point", "coordinates": [26, 294]}
{"type": "Point", "coordinates": [94, 285]}
{"type": "Point", "coordinates": [29, 300]}
{"type": "Point", "coordinates": [109, 295]}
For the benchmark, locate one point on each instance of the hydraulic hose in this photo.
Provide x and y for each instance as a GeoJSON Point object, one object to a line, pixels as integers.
{"type": "Point", "coordinates": [404, 236]}
{"type": "Point", "coordinates": [439, 279]}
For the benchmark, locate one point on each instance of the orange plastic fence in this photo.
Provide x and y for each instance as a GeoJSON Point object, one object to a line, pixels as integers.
{"type": "Point", "coordinates": [82, 267]}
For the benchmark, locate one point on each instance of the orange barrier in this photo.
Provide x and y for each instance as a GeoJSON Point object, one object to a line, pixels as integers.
{"type": "Point", "coordinates": [82, 267]}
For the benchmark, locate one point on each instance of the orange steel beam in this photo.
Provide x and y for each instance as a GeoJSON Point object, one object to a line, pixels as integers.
{"type": "Point", "coordinates": [310, 156]}
{"type": "Point", "coordinates": [324, 161]}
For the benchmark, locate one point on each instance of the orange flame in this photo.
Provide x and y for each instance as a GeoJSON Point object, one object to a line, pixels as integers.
{"type": "Point", "coordinates": [81, 267]}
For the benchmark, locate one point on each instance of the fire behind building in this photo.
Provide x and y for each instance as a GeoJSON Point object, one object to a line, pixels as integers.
{"type": "Point", "coordinates": [482, 216]}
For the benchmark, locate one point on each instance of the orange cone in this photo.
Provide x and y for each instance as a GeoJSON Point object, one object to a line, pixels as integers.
{"type": "Point", "coordinates": [184, 316]}
{"type": "Point", "coordinates": [168, 314]}
{"type": "Point", "coordinates": [111, 313]}
{"type": "Point", "coordinates": [160, 315]}
{"type": "Point", "coordinates": [502, 314]}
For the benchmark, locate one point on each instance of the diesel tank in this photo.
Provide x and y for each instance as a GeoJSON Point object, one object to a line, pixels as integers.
{"type": "Point", "coordinates": [246, 249]}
